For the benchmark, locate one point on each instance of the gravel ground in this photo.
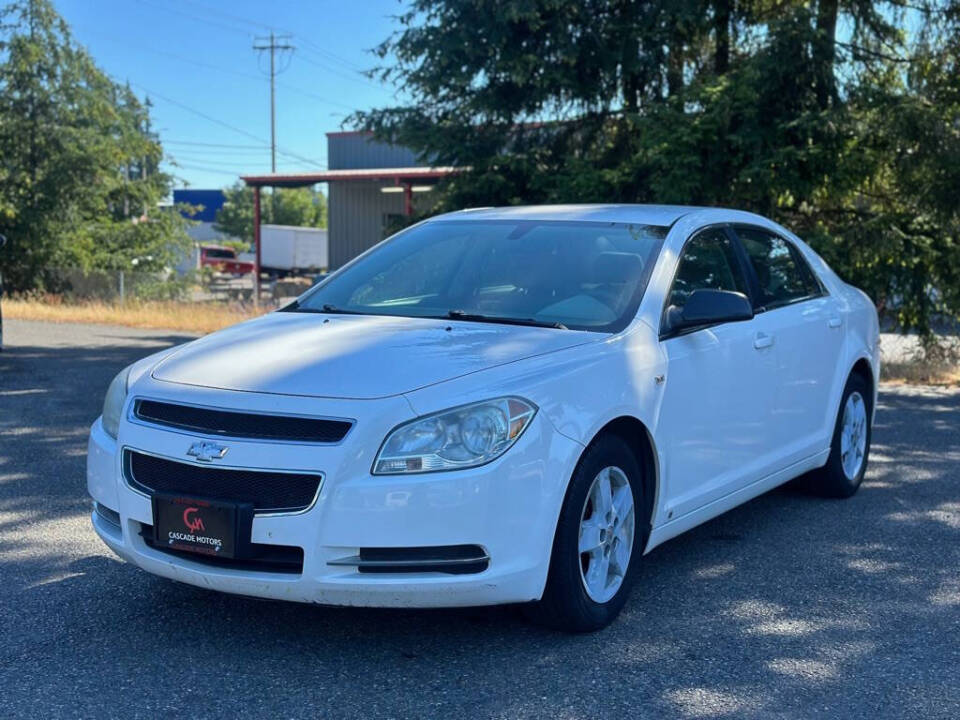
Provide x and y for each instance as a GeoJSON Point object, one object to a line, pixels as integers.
{"type": "Point", "coordinates": [787, 607]}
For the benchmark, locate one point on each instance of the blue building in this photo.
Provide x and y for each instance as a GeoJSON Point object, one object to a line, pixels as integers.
{"type": "Point", "coordinates": [209, 202]}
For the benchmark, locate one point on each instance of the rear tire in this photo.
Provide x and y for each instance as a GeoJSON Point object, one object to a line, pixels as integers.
{"type": "Point", "coordinates": [850, 448]}
{"type": "Point", "coordinates": [588, 586]}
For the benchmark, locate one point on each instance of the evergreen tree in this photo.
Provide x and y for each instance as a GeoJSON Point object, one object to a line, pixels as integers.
{"type": "Point", "coordinates": [838, 118]}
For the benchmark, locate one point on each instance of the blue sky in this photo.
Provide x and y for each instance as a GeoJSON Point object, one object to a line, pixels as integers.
{"type": "Point", "coordinates": [193, 58]}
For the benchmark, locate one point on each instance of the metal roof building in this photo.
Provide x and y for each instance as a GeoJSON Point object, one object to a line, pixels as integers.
{"type": "Point", "coordinates": [370, 184]}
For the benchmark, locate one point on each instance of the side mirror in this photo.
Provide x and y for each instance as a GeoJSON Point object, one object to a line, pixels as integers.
{"type": "Point", "coordinates": [709, 307]}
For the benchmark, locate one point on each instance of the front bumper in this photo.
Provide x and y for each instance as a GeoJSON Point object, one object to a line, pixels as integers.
{"type": "Point", "coordinates": [509, 508]}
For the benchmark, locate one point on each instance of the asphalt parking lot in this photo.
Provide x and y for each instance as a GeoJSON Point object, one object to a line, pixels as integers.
{"type": "Point", "coordinates": [787, 607]}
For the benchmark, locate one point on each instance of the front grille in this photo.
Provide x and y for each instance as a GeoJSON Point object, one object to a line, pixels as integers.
{"type": "Point", "coordinates": [267, 491]}
{"type": "Point", "coordinates": [228, 423]}
{"type": "Point", "coordinates": [263, 558]}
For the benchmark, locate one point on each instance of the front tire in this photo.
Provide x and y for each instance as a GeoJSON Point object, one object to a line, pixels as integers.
{"type": "Point", "coordinates": [600, 537]}
{"type": "Point", "coordinates": [850, 448]}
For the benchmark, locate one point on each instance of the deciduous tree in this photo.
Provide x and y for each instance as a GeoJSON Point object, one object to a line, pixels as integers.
{"type": "Point", "coordinates": [79, 179]}
{"type": "Point", "coordinates": [305, 207]}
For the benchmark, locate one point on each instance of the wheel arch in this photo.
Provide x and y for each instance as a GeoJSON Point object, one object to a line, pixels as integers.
{"type": "Point", "coordinates": [637, 436]}
{"type": "Point", "coordinates": [863, 368]}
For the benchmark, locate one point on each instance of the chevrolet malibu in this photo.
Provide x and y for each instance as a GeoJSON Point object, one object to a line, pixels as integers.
{"type": "Point", "coordinates": [493, 406]}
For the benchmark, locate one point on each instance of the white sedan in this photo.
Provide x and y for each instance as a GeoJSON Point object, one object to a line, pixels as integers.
{"type": "Point", "coordinates": [494, 406]}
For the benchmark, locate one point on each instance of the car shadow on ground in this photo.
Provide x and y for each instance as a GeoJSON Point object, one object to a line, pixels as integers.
{"type": "Point", "coordinates": [790, 605]}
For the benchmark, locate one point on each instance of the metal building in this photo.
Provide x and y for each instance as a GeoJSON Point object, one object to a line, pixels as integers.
{"type": "Point", "coordinates": [371, 184]}
{"type": "Point", "coordinates": [206, 202]}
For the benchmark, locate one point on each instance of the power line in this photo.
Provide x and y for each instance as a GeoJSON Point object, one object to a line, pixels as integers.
{"type": "Point", "coordinates": [331, 56]}
{"type": "Point", "coordinates": [307, 93]}
{"type": "Point", "coordinates": [242, 152]}
{"type": "Point", "coordinates": [231, 173]}
{"type": "Point", "coordinates": [215, 145]}
{"type": "Point", "coordinates": [198, 18]}
{"type": "Point", "coordinates": [310, 45]}
{"type": "Point", "coordinates": [198, 113]}
{"type": "Point", "coordinates": [218, 68]}
{"type": "Point", "coordinates": [230, 163]}
{"type": "Point", "coordinates": [236, 18]}
{"type": "Point", "coordinates": [217, 152]}
{"type": "Point", "coordinates": [228, 126]}
{"type": "Point", "coordinates": [355, 74]}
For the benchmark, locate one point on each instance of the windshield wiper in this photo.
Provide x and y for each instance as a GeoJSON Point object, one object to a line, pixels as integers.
{"type": "Point", "coordinates": [475, 317]}
{"type": "Point", "coordinates": [327, 309]}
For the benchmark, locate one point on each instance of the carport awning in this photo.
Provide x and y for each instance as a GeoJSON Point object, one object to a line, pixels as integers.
{"type": "Point", "coordinates": [400, 176]}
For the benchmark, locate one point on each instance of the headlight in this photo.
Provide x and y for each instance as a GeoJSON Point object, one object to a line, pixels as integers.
{"type": "Point", "coordinates": [113, 402]}
{"type": "Point", "coordinates": [462, 437]}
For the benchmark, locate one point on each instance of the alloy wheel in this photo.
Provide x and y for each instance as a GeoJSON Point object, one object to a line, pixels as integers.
{"type": "Point", "coordinates": [607, 525]}
{"type": "Point", "coordinates": [853, 435]}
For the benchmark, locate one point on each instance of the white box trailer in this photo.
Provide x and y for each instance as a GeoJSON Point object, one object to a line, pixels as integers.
{"type": "Point", "coordinates": [287, 249]}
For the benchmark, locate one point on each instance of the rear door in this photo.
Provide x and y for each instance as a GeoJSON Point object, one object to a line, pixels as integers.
{"type": "Point", "coordinates": [714, 419]}
{"type": "Point", "coordinates": [794, 309]}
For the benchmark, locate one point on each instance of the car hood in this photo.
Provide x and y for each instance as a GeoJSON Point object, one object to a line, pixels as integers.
{"type": "Point", "coordinates": [353, 356]}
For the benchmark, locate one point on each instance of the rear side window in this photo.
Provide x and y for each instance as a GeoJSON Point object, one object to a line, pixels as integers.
{"type": "Point", "coordinates": [781, 277]}
{"type": "Point", "coordinates": [708, 262]}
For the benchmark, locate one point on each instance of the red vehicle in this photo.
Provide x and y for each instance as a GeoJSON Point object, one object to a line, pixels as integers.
{"type": "Point", "coordinates": [223, 259]}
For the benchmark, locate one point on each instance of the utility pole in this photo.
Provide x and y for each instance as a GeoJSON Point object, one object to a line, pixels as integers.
{"type": "Point", "coordinates": [274, 43]}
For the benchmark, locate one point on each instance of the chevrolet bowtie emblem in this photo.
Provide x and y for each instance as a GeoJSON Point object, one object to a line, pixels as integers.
{"type": "Point", "coordinates": [207, 451]}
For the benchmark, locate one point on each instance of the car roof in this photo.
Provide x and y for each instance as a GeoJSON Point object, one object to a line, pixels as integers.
{"type": "Point", "coordinates": [664, 215]}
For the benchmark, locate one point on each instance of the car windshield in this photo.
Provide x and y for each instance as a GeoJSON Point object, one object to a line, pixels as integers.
{"type": "Point", "coordinates": [578, 275]}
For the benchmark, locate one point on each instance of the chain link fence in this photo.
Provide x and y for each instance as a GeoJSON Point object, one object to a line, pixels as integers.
{"type": "Point", "coordinates": [206, 285]}
{"type": "Point", "coordinates": [77, 284]}
{"type": "Point", "coordinates": [120, 286]}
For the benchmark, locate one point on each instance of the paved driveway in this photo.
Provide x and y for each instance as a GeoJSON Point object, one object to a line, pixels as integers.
{"type": "Point", "coordinates": [788, 607]}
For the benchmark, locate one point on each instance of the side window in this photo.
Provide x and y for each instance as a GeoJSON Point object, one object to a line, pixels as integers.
{"type": "Point", "coordinates": [708, 262]}
{"type": "Point", "coordinates": [814, 288]}
{"type": "Point", "coordinates": [782, 279]}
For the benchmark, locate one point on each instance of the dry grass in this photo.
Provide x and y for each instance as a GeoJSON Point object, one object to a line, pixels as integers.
{"type": "Point", "coordinates": [920, 372]}
{"type": "Point", "coordinates": [166, 315]}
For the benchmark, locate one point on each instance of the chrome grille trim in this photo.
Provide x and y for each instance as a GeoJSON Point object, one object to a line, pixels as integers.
{"type": "Point", "coordinates": [134, 416]}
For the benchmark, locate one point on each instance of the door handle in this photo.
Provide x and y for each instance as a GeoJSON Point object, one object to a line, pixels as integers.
{"type": "Point", "coordinates": [834, 322]}
{"type": "Point", "coordinates": [762, 340]}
